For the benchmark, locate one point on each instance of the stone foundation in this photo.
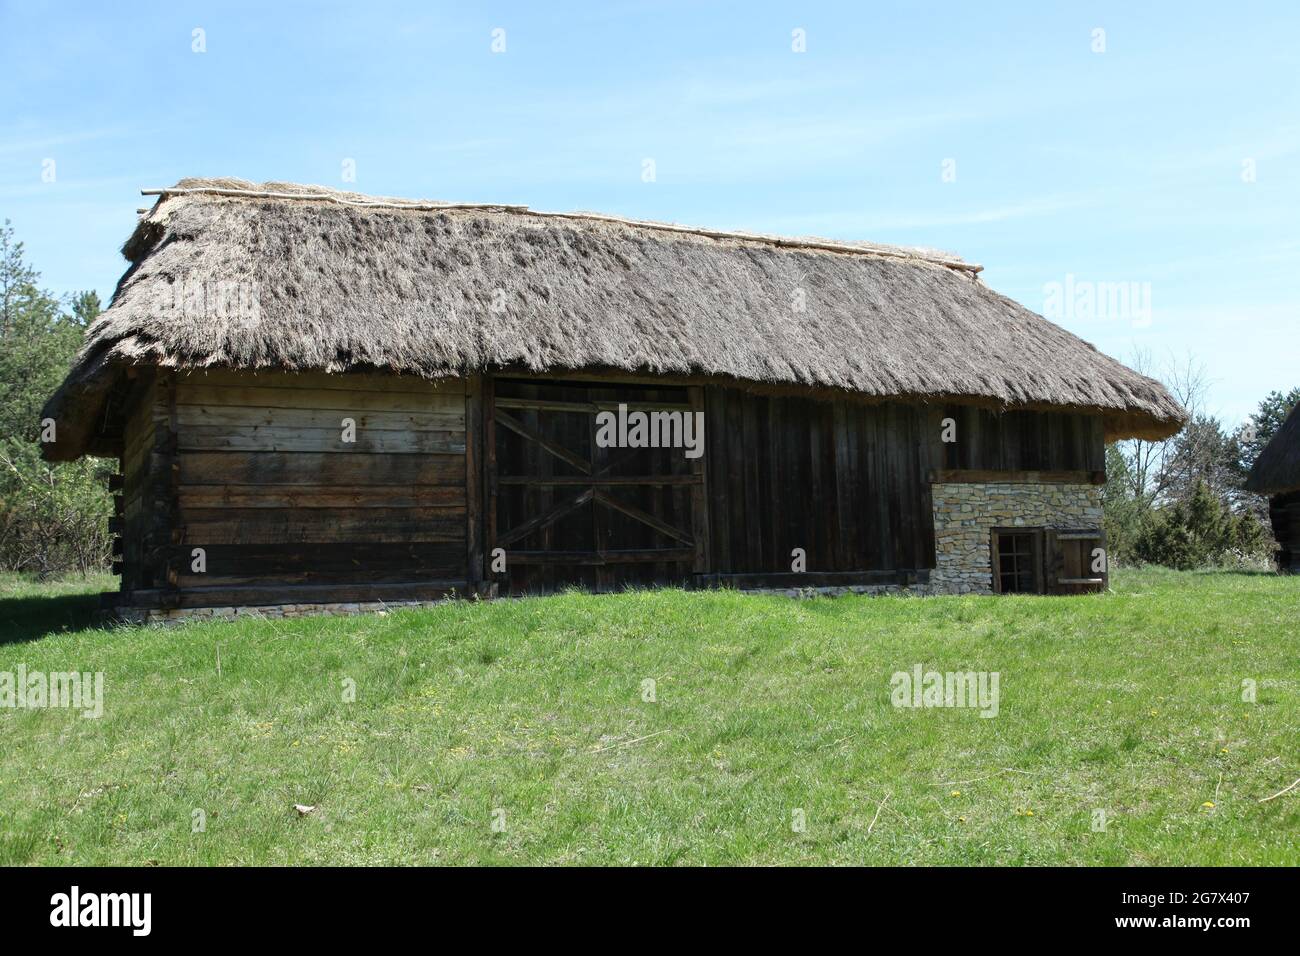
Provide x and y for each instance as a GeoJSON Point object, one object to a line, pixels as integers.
{"type": "Point", "coordinates": [966, 514]}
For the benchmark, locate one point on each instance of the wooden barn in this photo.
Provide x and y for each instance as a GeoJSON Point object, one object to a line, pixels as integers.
{"type": "Point", "coordinates": [1277, 474]}
{"type": "Point", "coordinates": [322, 400]}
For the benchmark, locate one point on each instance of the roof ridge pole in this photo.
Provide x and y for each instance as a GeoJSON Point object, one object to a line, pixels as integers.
{"type": "Point", "coordinates": [826, 245]}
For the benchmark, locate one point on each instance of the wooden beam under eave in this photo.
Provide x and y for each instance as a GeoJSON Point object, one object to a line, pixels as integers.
{"type": "Point", "coordinates": [967, 476]}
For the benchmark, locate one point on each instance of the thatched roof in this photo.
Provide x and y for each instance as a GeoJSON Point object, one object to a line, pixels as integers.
{"type": "Point", "coordinates": [229, 273]}
{"type": "Point", "coordinates": [1277, 469]}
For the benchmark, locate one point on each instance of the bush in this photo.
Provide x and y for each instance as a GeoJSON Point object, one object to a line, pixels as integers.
{"type": "Point", "coordinates": [1201, 532]}
{"type": "Point", "coordinates": [53, 518]}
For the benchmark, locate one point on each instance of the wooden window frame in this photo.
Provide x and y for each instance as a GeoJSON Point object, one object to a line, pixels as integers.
{"type": "Point", "coordinates": [1036, 536]}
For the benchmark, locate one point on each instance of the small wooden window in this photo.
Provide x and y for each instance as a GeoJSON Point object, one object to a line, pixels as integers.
{"type": "Point", "coordinates": [1018, 561]}
{"type": "Point", "coordinates": [1048, 561]}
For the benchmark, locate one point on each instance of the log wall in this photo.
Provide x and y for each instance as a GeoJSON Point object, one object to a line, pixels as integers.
{"type": "Point", "coordinates": [259, 474]}
{"type": "Point", "coordinates": [145, 494]}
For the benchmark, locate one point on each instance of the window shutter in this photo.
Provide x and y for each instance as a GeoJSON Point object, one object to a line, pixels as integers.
{"type": "Point", "coordinates": [1053, 563]}
{"type": "Point", "coordinates": [1040, 549]}
{"type": "Point", "coordinates": [1067, 562]}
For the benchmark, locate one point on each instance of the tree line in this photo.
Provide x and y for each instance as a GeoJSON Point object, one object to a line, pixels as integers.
{"type": "Point", "coordinates": [1182, 502]}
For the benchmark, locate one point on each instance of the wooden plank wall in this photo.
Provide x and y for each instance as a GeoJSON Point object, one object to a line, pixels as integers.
{"type": "Point", "coordinates": [1023, 441]}
{"type": "Point", "coordinates": [252, 468]}
{"type": "Point", "coordinates": [266, 485]}
{"type": "Point", "coordinates": [841, 480]}
{"type": "Point", "coordinates": [847, 481]}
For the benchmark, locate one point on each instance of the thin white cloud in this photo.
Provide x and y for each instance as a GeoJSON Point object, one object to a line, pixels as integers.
{"type": "Point", "coordinates": [59, 190]}
{"type": "Point", "coordinates": [11, 145]}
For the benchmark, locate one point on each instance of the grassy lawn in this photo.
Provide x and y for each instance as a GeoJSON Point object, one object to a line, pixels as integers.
{"type": "Point", "coordinates": [532, 713]}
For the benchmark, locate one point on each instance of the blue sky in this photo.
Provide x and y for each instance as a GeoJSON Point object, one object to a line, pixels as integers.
{"type": "Point", "coordinates": [1170, 160]}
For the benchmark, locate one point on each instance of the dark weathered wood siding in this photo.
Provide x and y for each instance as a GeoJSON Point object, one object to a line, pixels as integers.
{"type": "Point", "coordinates": [842, 480]}
{"type": "Point", "coordinates": [258, 475]}
{"type": "Point", "coordinates": [252, 468]}
{"type": "Point", "coordinates": [848, 482]}
{"type": "Point", "coordinates": [1021, 441]}
{"type": "Point", "coordinates": [144, 525]}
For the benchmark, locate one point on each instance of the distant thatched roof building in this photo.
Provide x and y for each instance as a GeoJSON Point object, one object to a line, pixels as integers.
{"type": "Point", "coordinates": [1277, 474]}
{"type": "Point", "coordinates": [1277, 469]}
{"type": "Point", "coordinates": [227, 273]}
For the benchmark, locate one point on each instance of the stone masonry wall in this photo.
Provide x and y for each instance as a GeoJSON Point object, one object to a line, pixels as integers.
{"type": "Point", "coordinates": [966, 514]}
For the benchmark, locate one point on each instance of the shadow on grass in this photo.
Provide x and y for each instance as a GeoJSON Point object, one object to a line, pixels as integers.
{"type": "Point", "coordinates": [25, 619]}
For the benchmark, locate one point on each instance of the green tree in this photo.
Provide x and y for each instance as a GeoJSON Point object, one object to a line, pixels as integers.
{"type": "Point", "coordinates": [53, 518]}
{"type": "Point", "coordinates": [86, 308]}
{"type": "Point", "coordinates": [1124, 512]}
{"type": "Point", "coordinates": [1201, 531]}
{"type": "Point", "coordinates": [1202, 453]}
{"type": "Point", "coordinates": [1262, 425]}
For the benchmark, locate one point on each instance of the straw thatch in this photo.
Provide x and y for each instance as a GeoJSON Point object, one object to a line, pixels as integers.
{"type": "Point", "coordinates": [228, 273]}
{"type": "Point", "coordinates": [1277, 469]}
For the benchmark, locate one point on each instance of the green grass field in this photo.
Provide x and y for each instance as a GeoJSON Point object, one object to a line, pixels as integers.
{"type": "Point", "coordinates": [531, 714]}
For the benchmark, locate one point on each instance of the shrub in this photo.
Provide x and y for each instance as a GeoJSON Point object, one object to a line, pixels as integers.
{"type": "Point", "coordinates": [1200, 532]}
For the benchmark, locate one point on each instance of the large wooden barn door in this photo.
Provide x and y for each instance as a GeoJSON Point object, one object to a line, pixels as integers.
{"type": "Point", "coordinates": [566, 511]}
